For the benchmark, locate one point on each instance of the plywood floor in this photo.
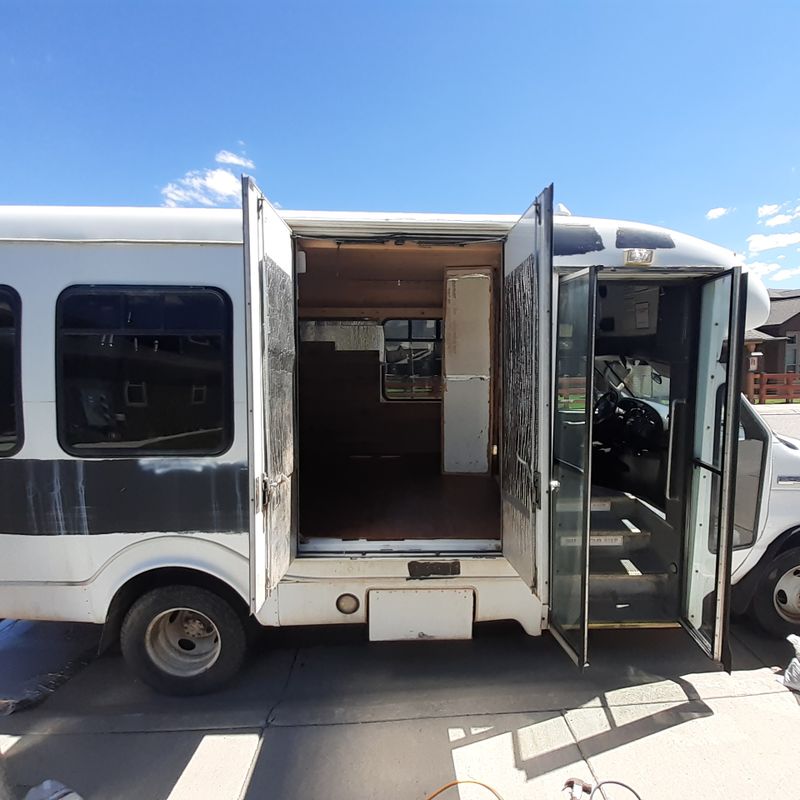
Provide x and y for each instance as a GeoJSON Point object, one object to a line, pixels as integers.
{"type": "Point", "coordinates": [382, 498]}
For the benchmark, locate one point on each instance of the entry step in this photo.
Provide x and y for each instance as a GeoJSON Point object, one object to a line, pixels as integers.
{"type": "Point", "coordinates": [610, 530]}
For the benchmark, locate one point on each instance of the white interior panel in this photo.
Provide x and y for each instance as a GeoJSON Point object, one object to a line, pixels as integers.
{"type": "Point", "coordinates": [467, 371]}
{"type": "Point", "coordinates": [466, 425]}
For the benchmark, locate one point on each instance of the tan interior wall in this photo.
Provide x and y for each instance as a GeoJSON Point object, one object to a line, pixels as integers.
{"type": "Point", "coordinates": [341, 409]}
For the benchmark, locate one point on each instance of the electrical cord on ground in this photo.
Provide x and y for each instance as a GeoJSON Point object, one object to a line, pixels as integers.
{"type": "Point", "coordinates": [496, 794]}
{"type": "Point", "coordinates": [450, 785]}
{"type": "Point", "coordinates": [615, 783]}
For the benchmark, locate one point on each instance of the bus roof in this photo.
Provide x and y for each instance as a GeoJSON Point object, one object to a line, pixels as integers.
{"type": "Point", "coordinates": [578, 241]}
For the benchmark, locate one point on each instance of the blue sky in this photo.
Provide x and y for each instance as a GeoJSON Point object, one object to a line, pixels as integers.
{"type": "Point", "coordinates": [656, 111]}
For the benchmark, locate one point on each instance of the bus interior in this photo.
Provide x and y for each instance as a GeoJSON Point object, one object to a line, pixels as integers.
{"type": "Point", "coordinates": [398, 416]}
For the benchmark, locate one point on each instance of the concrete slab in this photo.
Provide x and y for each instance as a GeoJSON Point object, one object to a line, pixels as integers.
{"type": "Point", "coordinates": [737, 748]}
{"type": "Point", "coordinates": [37, 657]}
{"type": "Point", "coordinates": [781, 418]}
{"type": "Point", "coordinates": [504, 674]}
{"type": "Point", "coordinates": [107, 698]}
{"type": "Point", "coordinates": [351, 719]}
{"type": "Point", "coordinates": [156, 766]}
{"type": "Point", "coordinates": [519, 755]}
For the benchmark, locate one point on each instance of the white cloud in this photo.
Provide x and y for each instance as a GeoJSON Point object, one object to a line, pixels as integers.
{"type": "Point", "coordinates": [778, 219]}
{"type": "Point", "coordinates": [238, 160]}
{"type": "Point", "coordinates": [208, 187]}
{"type": "Point", "coordinates": [762, 268]}
{"type": "Point", "coordinates": [785, 274]}
{"type": "Point", "coordinates": [782, 219]}
{"type": "Point", "coordinates": [768, 210]}
{"type": "Point", "coordinates": [759, 242]}
{"type": "Point", "coordinates": [716, 213]}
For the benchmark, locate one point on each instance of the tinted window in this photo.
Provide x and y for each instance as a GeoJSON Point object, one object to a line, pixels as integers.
{"type": "Point", "coordinates": [573, 240]}
{"type": "Point", "coordinates": [10, 405]}
{"type": "Point", "coordinates": [144, 371]}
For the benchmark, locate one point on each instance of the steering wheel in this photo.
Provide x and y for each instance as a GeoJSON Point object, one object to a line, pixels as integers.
{"type": "Point", "coordinates": [605, 406]}
{"type": "Point", "coordinates": [642, 427]}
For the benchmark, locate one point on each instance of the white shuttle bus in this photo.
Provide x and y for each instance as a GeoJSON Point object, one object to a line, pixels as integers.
{"type": "Point", "coordinates": [412, 421]}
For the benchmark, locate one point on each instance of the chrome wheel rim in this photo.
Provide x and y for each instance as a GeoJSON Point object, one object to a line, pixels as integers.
{"type": "Point", "coordinates": [786, 596]}
{"type": "Point", "coordinates": [183, 642]}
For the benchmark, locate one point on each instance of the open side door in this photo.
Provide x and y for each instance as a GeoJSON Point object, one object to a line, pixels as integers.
{"type": "Point", "coordinates": [573, 382]}
{"type": "Point", "coordinates": [710, 516]}
{"type": "Point", "coordinates": [270, 314]}
{"type": "Point", "coordinates": [527, 267]}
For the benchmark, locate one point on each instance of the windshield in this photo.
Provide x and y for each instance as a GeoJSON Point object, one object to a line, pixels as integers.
{"type": "Point", "coordinates": [647, 383]}
{"type": "Point", "coordinates": [637, 379]}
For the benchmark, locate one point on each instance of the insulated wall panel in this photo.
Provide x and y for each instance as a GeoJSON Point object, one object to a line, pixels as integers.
{"type": "Point", "coordinates": [467, 371]}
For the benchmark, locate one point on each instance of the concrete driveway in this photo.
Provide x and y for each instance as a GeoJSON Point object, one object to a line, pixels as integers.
{"type": "Point", "coordinates": [781, 417]}
{"type": "Point", "coordinates": [323, 715]}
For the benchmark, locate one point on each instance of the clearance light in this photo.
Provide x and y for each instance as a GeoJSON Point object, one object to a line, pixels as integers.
{"type": "Point", "coordinates": [639, 257]}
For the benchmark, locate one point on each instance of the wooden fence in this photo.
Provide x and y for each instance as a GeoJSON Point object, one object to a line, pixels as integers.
{"type": "Point", "coordinates": [773, 386]}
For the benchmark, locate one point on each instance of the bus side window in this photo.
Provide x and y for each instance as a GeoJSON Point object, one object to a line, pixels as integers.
{"type": "Point", "coordinates": [144, 370]}
{"type": "Point", "coordinates": [10, 388]}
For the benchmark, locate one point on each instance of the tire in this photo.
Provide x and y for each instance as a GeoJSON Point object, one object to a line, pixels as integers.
{"type": "Point", "coordinates": [183, 640]}
{"type": "Point", "coordinates": [776, 603]}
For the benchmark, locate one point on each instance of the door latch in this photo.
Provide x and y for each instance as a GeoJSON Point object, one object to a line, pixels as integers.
{"type": "Point", "coordinates": [537, 489]}
{"type": "Point", "coordinates": [262, 492]}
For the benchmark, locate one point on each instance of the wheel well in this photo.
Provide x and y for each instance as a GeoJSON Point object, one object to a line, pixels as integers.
{"type": "Point", "coordinates": [744, 590]}
{"type": "Point", "coordinates": [791, 540]}
{"type": "Point", "coordinates": [140, 584]}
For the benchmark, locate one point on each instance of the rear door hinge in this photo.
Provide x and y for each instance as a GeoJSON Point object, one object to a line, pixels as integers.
{"type": "Point", "coordinates": [537, 489]}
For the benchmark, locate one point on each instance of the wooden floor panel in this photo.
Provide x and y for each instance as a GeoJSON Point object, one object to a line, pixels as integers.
{"type": "Point", "coordinates": [390, 498]}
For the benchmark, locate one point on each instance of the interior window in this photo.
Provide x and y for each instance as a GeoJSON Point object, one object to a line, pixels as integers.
{"type": "Point", "coordinates": [10, 407]}
{"type": "Point", "coordinates": [144, 370]}
{"type": "Point", "coordinates": [412, 362]}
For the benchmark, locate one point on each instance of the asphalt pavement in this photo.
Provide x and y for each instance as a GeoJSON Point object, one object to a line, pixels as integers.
{"type": "Point", "coordinates": [324, 715]}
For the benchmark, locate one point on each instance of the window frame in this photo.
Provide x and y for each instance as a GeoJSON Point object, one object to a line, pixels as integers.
{"type": "Point", "coordinates": [439, 338]}
{"type": "Point", "coordinates": [148, 289]}
{"type": "Point", "coordinates": [16, 306]}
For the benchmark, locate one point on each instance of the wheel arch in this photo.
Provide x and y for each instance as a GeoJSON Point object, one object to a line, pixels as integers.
{"type": "Point", "coordinates": [743, 591]}
{"type": "Point", "coordinates": [218, 569]}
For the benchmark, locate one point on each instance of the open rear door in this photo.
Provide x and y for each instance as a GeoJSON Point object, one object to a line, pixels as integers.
{"type": "Point", "coordinates": [269, 290]}
{"type": "Point", "coordinates": [527, 260]}
{"type": "Point", "coordinates": [705, 607]}
{"type": "Point", "coordinates": [572, 462]}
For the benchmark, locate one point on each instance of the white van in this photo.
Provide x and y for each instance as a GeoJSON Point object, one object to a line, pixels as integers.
{"type": "Point", "coordinates": [412, 421]}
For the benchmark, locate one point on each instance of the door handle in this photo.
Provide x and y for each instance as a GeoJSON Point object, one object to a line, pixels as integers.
{"type": "Point", "coordinates": [673, 423]}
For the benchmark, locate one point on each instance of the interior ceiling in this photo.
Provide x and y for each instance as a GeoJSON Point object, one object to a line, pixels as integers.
{"type": "Point", "coordinates": [390, 261]}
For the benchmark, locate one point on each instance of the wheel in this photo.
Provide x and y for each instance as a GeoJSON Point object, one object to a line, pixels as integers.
{"type": "Point", "coordinates": [776, 604]}
{"type": "Point", "coordinates": [183, 640]}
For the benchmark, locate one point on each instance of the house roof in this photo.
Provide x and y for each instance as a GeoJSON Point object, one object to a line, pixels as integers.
{"type": "Point", "coordinates": [783, 307]}
{"type": "Point", "coordinates": [759, 336]}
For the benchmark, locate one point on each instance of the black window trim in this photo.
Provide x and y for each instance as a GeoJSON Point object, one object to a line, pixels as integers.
{"type": "Point", "coordinates": [16, 305]}
{"type": "Point", "coordinates": [228, 391]}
